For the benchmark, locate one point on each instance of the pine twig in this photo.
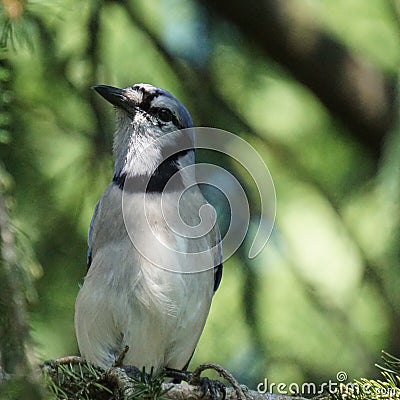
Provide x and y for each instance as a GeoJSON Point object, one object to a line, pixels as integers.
{"type": "Point", "coordinates": [73, 376]}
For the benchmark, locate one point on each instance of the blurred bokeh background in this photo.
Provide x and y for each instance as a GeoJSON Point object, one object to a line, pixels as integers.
{"type": "Point", "coordinates": [311, 84]}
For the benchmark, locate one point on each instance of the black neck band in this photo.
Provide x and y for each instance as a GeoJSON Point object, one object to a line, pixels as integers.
{"type": "Point", "coordinates": [157, 182]}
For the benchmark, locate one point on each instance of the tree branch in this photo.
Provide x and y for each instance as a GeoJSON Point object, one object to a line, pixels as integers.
{"type": "Point", "coordinates": [13, 320]}
{"type": "Point", "coordinates": [114, 381]}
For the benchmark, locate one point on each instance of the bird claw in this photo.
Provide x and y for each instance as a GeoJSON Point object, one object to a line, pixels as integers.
{"type": "Point", "coordinates": [207, 385]}
{"type": "Point", "coordinates": [213, 387]}
{"type": "Point", "coordinates": [132, 371]}
{"type": "Point", "coordinates": [177, 375]}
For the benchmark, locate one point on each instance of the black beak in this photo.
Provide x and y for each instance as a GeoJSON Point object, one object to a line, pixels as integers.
{"type": "Point", "coordinates": [112, 94]}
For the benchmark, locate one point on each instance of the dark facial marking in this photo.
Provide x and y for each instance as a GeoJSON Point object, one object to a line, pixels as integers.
{"type": "Point", "coordinates": [163, 115]}
{"type": "Point", "coordinates": [147, 98]}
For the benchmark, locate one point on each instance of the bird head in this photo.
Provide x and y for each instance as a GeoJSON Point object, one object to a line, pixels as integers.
{"type": "Point", "coordinates": [144, 116]}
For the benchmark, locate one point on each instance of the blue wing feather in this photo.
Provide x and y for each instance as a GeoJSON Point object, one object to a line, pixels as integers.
{"type": "Point", "coordinates": [218, 268]}
{"type": "Point", "coordinates": [90, 232]}
{"type": "Point", "coordinates": [217, 276]}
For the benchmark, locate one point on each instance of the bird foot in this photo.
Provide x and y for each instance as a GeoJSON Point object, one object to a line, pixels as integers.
{"type": "Point", "coordinates": [213, 387]}
{"type": "Point", "coordinates": [132, 371]}
{"type": "Point", "coordinates": [177, 375]}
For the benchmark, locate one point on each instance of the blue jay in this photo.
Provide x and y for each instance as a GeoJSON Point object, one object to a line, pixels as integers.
{"type": "Point", "coordinates": [127, 299]}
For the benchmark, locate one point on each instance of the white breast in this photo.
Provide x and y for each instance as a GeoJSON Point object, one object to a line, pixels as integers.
{"type": "Point", "coordinates": [127, 300]}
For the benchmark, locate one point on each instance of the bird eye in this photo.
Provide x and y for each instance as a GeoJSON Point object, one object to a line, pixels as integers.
{"type": "Point", "coordinates": [165, 115]}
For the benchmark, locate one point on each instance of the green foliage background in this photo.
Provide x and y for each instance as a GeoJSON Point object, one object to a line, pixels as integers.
{"type": "Point", "coordinates": [323, 296]}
